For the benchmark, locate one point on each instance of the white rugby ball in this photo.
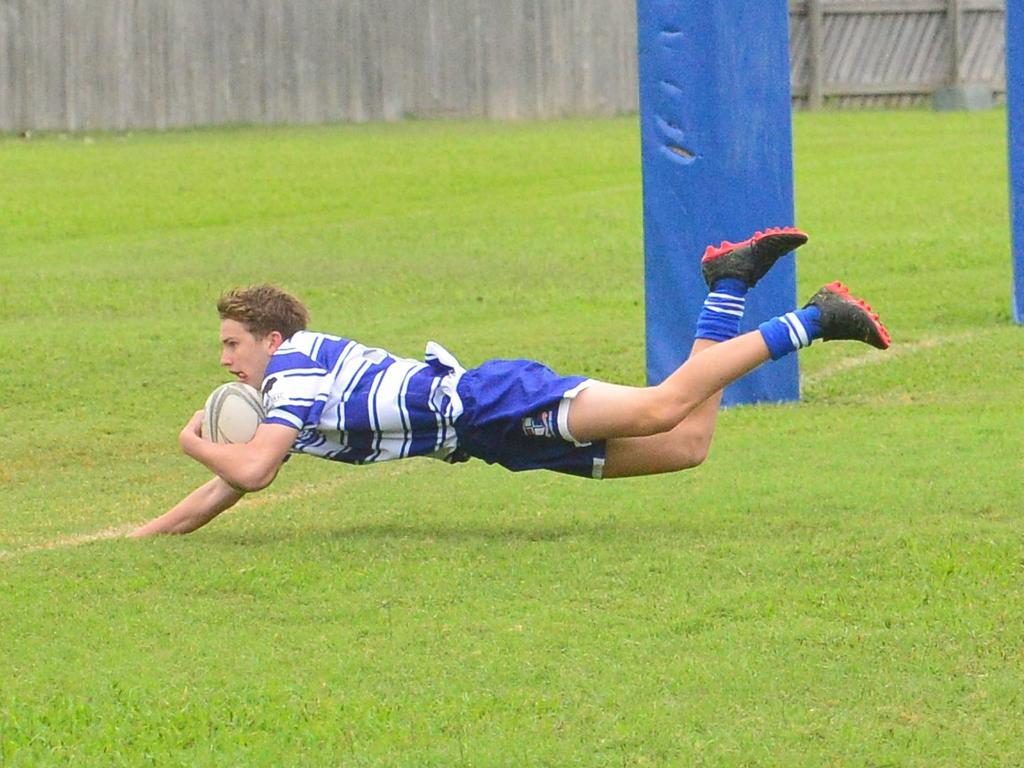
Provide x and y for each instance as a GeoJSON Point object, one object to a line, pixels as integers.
{"type": "Point", "coordinates": [233, 412]}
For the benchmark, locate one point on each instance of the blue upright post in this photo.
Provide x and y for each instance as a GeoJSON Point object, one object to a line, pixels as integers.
{"type": "Point", "coordinates": [716, 133]}
{"type": "Point", "coordinates": [1015, 109]}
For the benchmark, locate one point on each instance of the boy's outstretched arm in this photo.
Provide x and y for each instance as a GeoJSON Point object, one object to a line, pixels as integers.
{"type": "Point", "coordinates": [248, 466]}
{"type": "Point", "coordinates": [194, 511]}
{"type": "Point", "coordinates": [240, 468]}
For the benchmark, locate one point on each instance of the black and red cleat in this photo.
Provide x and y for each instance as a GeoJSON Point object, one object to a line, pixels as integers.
{"type": "Point", "coordinates": [751, 259]}
{"type": "Point", "coordinates": [844, 316]}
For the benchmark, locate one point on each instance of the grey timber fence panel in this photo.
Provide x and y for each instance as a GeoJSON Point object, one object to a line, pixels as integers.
{"type": "Point", "coordinates": [125, 64]}
{"type": "Point", "coordinates": [894, 53]}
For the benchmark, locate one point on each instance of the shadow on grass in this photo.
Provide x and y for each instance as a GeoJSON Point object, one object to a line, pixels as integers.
{"type": "Point", "coordinates": [461, 532]}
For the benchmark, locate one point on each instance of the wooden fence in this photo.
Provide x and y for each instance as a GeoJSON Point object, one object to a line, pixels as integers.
{"type": "Point", "coordinates": [123, 64]}
{"type": "Point", "coordinates": [891, 53]}
{"type": "Point", "coordinates": [90, 64]}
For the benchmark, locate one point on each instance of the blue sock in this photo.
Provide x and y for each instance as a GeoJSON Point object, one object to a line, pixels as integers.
{"type": "Point", "coordinates": [719, 320]}
{"type": "Point", "coordinates": [792, 331]}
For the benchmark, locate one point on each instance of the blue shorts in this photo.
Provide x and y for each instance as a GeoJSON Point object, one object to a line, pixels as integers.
{"type": "Point", "coordinates": [515, 414]}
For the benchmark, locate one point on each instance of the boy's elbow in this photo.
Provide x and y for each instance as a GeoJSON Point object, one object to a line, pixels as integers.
{"type": "Point", "coordinates": [250, 483]}
{"type": "Point", "coordinates": [255, 479]}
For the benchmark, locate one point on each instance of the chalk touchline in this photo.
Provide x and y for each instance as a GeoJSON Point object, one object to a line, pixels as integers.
{"type": "Point", "coordinates": [901, 350]}
{"type": "Point", "coordinates": [298, 492]}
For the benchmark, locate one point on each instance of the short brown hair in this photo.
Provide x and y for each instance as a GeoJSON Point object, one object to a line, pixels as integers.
{"type": "Point", "coordinates": [263, 309]}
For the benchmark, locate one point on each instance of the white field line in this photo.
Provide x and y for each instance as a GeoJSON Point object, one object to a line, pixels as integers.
{"type": "Point", "coordinates": [900, 350]}
{"type": "Point", "coordinates": [261, 500]}
{"type": "Point", "coordinates": [64, 542]}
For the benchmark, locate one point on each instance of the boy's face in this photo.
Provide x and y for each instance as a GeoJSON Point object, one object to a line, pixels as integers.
{"type": "Point", "coordinates": [243, 354]}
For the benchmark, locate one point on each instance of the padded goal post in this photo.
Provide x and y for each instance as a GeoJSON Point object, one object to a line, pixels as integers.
{"type": "Point", "coordinates": [716, 143]}
{"type": "Point", "coordinates": [1015, 112]}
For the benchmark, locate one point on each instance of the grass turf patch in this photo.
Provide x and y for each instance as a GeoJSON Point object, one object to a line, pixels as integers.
{"type": "Point", "coordinates": [839, 584]}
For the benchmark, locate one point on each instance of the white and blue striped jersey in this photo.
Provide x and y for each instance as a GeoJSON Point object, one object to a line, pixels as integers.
{"type": "Point", "coordinates": [359, 404]}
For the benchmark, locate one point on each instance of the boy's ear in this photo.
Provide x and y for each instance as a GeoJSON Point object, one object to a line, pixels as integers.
{"type": "Point", "coordinates": [275, 340]}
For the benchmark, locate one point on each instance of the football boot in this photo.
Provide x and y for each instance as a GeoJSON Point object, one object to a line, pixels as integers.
{"type": "Point", "coordinates": [750, 259]}
{"type": "Point", "coordinates": [844, 316]}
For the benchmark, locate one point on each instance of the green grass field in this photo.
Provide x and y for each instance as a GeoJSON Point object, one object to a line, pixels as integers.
{"type": "Point", "coordinates": [841, 584]}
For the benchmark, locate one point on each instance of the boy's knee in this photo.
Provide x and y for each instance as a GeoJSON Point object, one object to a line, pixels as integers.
{"type": "Point", "coordinates": [691, 450]}
{"type": "Point", "coordinates": [661, 413]}
{"type": "Point", "coordinates": [654, 419]}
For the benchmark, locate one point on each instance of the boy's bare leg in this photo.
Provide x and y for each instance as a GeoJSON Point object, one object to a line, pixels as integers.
{"type": "Point", "coordinates": [606, 411]}
{"type": "Point", "coordinates": [646, 427]}
{"type": "Point", "coordinates": [684, 446]}
{"type": "Point", "coordinates": [681, 411]}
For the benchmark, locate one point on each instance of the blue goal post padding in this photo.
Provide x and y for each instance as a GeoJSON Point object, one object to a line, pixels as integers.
{"type": "Point", "coordinates": [1015, 110]}
{"type": "Point", "coordinates": [716, 135]}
